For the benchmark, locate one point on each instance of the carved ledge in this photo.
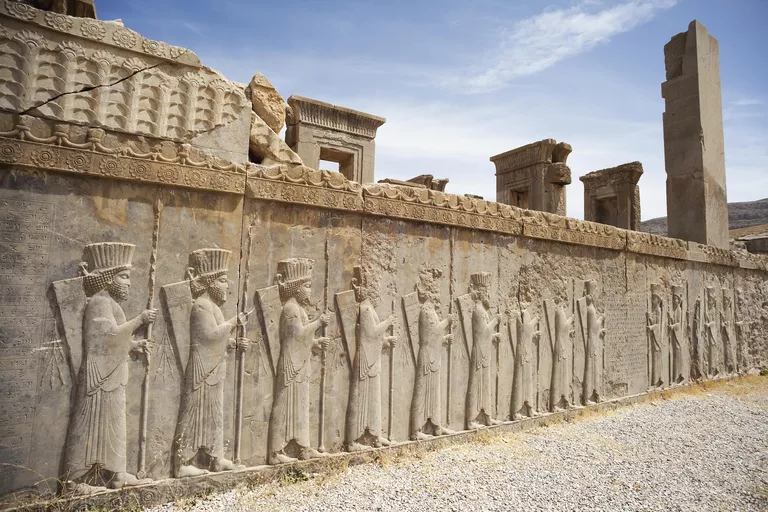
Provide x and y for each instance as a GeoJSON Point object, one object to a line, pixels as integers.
{"type": "Point", "coordinates": [440, 208]}
{"type": "Point", "coordinates": [325, 115]}
{"type": "Point", "coordinates": [625, 173]}
{"type": "Point", "coordinates": [104, 32]}
{"type": "Point", "coordinates": [59, 153]}
{"type": "Point", "coordinates": [655, 245]}
{"type": "Point", "coordinates": [300, 184]}
{"type": "Point", "coordinates": [550, 226]}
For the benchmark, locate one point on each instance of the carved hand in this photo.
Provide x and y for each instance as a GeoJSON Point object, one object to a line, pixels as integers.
{"type": "Point", "coordinates": [324, 319]}
{"type": "Point", "coordinates": [448, 339]}
{"type": "Point", "coordinates": [142, 347]}
{"type": "Point", "coordinates": [496, 337]}
{"type": "Point", "coordinates": [392, 341]}
{"type": "Point", "coordinates": [325, 343]}
{"type": "Point", "coordinates": [242, 344]}
{"type": "Point", "coordinates": [148, 316]}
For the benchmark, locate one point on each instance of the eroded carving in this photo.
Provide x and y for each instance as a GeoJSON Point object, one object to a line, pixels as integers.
{"type": "Point", "coordinates": [562, 355]}
{"type": "Point", "coordinates": [199, 440]}
{"type": "Point", "coordinates": [728, 330]}
{"type": "Point", "coordinates": [523, 380]}
{"type": "Point", "coordinates": [592, 323]}
{"type": "Point", "coordinates": [95, 453]}
{"type": "Point", "coordinates": [657, 331]}
{"type": "Point", "coordinates": [427, 404]}
{"type": "Point", "coordinates": [480, 328]}
{"type": "Point", "coordinates": [365, 336]}
{"type": "Point", "coordinates": [678, 336]}
{"type": "Point", "coordinates": [711, 331]}
{"type": "Point", "coordinates": [289, 421]}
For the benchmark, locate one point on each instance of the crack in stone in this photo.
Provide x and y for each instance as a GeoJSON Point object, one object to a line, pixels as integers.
{"type": "Point", "coordinates": [87, 89]}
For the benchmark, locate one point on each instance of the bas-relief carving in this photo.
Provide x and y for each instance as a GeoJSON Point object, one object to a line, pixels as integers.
{"type": "Point", "coordinates": [523, 380]}
{"type": "Point", "coordinates": [95, 452]}
{"type": "Point", "coordinates": [560, 328]}
{"type": "Point", "coordinates": [199, 439]}
{"type": "Point", "coordinates": [289, 421]}
{"type": "Point", "coordinates": [592, 324]}
{"type": "Point", "coordinates": [728, 332]}
{"type": "Point", "coordinates": [366, 337]}
{"type": "Point", "coordinates": [678, 336]}
{"type": "Point", "coordinates": [480, 327]}
{"type": "Point", "coordinates": [711, 332]}
{"type": "Point", "coordinates": [427, 405]}
{"type": "Point", "coordinates": [657, 341]}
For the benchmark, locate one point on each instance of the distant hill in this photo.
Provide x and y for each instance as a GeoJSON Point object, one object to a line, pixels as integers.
{"type": "Point", "coordinates": [740, 216]}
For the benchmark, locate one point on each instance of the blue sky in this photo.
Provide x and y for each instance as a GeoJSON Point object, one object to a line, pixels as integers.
{"type": "Point", "coordinates": [461, 81]}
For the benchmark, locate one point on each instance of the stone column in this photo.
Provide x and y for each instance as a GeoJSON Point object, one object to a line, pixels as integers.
{"type": "Point", "coordinates": [693, 139]}
{"type": "Point", "coordinates": [611, 196]}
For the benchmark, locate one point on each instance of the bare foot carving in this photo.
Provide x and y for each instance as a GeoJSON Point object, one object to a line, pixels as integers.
{"type": "Point", "coordinates": [185, 471]}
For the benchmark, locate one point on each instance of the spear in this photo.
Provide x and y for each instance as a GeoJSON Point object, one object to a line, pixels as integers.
{"type": "Point", "coordinates": [391, 374]}
{"type": "Point", "coordinates": [241, 333]}
{"type": "Point", "coordinates": [321, 433]}
{"type": "Point", "coordinates": [147, 354]}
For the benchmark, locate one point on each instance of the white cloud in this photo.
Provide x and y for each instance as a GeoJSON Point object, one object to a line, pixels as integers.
{"type": "Point", "coordinates": [539, 42]}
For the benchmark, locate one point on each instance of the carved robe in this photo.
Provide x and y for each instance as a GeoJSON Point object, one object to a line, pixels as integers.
{"type": "Point", "coordinates": [655, 331]}
{"type": "Point", "coordinates": [523, 385]}
{"type": "Point", "coordinates": [364, 408]}
{"type": "Point", "coordinates": [560, 365]}
{"type": "Point", "coordinates": [593, 371]}
{"type": "Point", "coordinates": [290, 409]}
{"type": "Point", "coordinates": [677, 333]}
{"type": "Point", "coordinates": [729, 354]}
{"type": "Point", "coordinates": [201, 415]}
{"type": "Point", "coordinates": [426, 404]}
{"type": "Point", "coordinates": [97, 425]}
{"type": "Point", "coordinates": [479, 395]}
{"type": "Point", "coordinates": [710, 333]}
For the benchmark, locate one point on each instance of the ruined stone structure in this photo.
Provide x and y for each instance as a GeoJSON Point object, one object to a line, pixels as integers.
{"type": "Point", "coordinates": [321, 131]}
{"type": "Point", "coordinates": [611, 196]}
{"type": "Point", "coordinates": [534, 176]}
{"type": "Point", "coordinates": [173, 312]}
{"type": "Point", "coordinates": [693, 139]}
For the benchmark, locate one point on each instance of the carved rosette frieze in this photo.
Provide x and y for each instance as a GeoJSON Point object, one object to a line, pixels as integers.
{"type": "Point", "coordinates": [300, 185]}
{"type": "Point", "coordinates": [573, 231]}
{"type": "Point", "coordinates": [59, 154]}
{"type": "Point", "coordinates": [655, 245]}
{"type": "Point", "coordinates": [440, 208]}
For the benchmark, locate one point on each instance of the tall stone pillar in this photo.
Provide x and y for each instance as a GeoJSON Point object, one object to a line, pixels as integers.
{"type": "Point", "coordinates": [697, 208]}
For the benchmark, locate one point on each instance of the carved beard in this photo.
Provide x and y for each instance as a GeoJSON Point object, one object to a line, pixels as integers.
{"type": "Point", "coordinates": [119, 292]}
{"type": "Point", "coordinates": [217, 295]}
{"type": "Point", "coordinates": [486, 303]}
{"type": "Point", "coordinates": [302, 296]}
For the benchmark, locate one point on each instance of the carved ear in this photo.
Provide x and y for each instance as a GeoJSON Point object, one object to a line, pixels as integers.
{"type": "Point", "coordinates": [279, 279]}
{"type": "Point", "coordinates": [191, 274]}
{"type": "Point", "coordinates": [82, 269]}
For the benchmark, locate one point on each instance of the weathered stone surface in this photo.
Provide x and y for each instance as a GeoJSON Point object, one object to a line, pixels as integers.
{"type": "Point", "coordinates": [611, 196]}
{"type": "Point", "coordinates": [276, 311]}
{"type": "Point", "coordinates": [267, 102]}
{"type": "Point", "coordinates": [693, 139]}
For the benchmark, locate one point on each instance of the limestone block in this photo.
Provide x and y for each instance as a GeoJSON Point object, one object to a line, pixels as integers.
{"type": "Point", "coordinates": [267, 147]}
{"type": "Point", "coordinates": [267, 102]}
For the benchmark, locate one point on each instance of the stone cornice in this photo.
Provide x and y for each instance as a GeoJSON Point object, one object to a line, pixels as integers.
{"type": "Point", "coordinates": [625, 173]}
{"type": "Point", "coordinates": [325, 115]}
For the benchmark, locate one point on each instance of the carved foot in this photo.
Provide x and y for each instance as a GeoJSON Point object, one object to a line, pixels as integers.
{"type": "Point", "coordinates": [421, 436]}
{"type": "Point", "coordinates": [126, 480]}
{"type": "Point", "coordinates": [222, 464]}
{"type": "Point", "coordinates": [357, 447]}
{"type": "Point", "coordinates": [381, 441]}
{"type": "Point", "coordinates": [443, 431]}
{"type": "Point", "coordinates": [81, 489]}
{"type": "Point", "coordinates": [280, 458]}
{"type": "Point", "coordinates": [474, 425]}
{"type": "Point", "coordinates": [310, 453]}
{"type": "Point", "coordinates": [493, 421]}
{"type": "Point", "coordinates": [186, 471]}
{"type": "Point", "coordinates": [517, 417]}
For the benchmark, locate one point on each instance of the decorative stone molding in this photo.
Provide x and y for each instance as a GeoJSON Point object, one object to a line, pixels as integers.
{"type": "Point", "coordinates": [563, 229]}
{"type": "Point", "coordinates": [105, 32]}
{"type": "Point", "coordinates": [440, 208]}
{"type": "Point", "coordinates": [341, 119]}
{"type": "Point", "coordinates": [58, 153]}
{"type": "Point", "coordinates": [655, 245]}
{"type": "Point", "coordinates": [299, 184]}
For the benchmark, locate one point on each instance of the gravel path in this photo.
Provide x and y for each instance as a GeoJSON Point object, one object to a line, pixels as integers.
{"type": "Point", "coordinates": [702, 452]}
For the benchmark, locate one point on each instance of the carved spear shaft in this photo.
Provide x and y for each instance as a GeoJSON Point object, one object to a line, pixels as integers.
{"type": "Point", "coordinates": [241, 333]}
{"type": "Point", "coordinates": [498, 357]}
{"type": "Point", "coordinates": [147, 354]}
{"type": "Point", "coordinates": [321, 432]}
{"type": "Point", "coordinates": [391, 375]}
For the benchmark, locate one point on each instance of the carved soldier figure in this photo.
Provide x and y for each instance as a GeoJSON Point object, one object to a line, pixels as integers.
{"type": "Point", "coordinates": [560, 389]}
{"type": "Point", "coordinates": [200, 430]}
{"type": "Point", "coordinates": [593, 336]}
{"type": "Point", "coordinates": [726, 323]}
{"type": "Point", "coordinates": [426, 408]}
{"type": "Point", "coordinates": [95, 453]}
{"type": "Point", "coordinates": [523, 389]}
{"type": "Point", "coordinates": [742, 329]}
{"type": "Point", "coordinates": [711, 330]}
{"type": "Point", "coordinates": [289, 421]}
{"type": "Point", "coordinates": [364, 407]}
{"type": "Point", "coordinates": [677, 336]}
{"type": "Point", "coordinates": [655, 332]}
{"type": "Point", "coordinates": [484, 335]}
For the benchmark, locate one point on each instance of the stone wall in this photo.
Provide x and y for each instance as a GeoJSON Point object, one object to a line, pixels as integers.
{"type": "Point", "coordinates": [368, 314]}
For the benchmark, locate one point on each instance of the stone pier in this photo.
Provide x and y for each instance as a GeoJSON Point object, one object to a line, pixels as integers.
{"type": "Point", "coordinates": [693, 139]}
{"type": "Point", "coordinates": [611, 196]}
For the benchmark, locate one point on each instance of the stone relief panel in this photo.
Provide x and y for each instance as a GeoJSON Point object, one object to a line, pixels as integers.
{"type": "Point", "coordinates": [658, 345]}
{"type": "Point", "coordinates": [593, 330]}
{"type": "Point", "coordinates": [679, 336]}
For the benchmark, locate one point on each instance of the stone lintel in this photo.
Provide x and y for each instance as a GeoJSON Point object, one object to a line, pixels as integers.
{"type": "Point", "coordinates": [624, 173]}
{"type": "Point", "coordinates": [333, 117]}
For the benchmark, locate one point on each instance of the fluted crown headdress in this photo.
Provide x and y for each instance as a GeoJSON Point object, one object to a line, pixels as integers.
{"type": "Point", "coordinates": [294, 269]}
{"type": "Point", "coordinates": [656, 289]}
{"type": "Point", "coordinates": [677, 290]}
{"type": "Point", "coordinates": [480, 279]}
{"type": "Point", "coordinates": [590, 287]}
{"type": "Point", "coordinates": [208, 262]}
